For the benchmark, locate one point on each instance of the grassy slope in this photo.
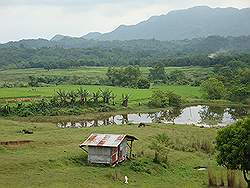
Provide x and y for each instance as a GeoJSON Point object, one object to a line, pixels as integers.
{"type": "Point", "coordinates": [55, 160]}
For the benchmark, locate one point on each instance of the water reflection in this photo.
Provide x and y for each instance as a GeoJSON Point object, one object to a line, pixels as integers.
{"type": "Point", "coordinates": [206, 116]}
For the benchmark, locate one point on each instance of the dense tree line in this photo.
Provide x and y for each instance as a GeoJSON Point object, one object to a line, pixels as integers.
{"type": "Point", "coordinates": [130, 76]}
{"type": "Point", "coordinates": [50, 55]}
{"type": "Point", "coordinates": [229, 82]}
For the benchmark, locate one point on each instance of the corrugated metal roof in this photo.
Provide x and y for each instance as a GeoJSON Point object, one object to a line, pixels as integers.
{"type": "Point", "coordinates": [105, 140]}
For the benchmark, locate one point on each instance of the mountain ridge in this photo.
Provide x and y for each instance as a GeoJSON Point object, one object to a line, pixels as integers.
{"type": "Point", "coordinates": [195, 22]}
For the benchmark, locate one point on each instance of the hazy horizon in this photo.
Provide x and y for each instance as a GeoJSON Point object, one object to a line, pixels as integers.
{"type": "Point", "coordinates": [26, 19]}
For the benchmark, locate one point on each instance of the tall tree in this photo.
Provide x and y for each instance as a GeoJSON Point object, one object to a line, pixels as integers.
{"type": "Point", "coordinates": [233, 145]}
{"type": "Point", "coordinates": [213, 88]}
{"type": "Point", "coordinates": [157, 73]}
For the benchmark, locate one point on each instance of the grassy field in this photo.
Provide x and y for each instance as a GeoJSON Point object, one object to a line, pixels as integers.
{"type": "Point", "coordinates": [136, 95]}
{"type": "Point", "coordinates": [91, 73]}
{"type": "Point", "coordinates": [54, 159]}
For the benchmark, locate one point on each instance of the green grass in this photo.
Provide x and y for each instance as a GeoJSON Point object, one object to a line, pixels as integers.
{"type": "Point", "coordinates": [55, 160]}
{"type": "Point", "coordinates": [91, 73]}
{"type": "Point", "coordinates": [136, 94]}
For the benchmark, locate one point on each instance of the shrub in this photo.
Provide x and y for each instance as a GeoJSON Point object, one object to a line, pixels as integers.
{"type": "Point", "coordinates": [159, 145]}
{"type": "Point", "coordinates": [213, 88]}
{"type": "Point", "coordinates": [138, 166]}
{"type": "Point", "coordinates": [143, 83]}
{"type": "Point", "coordinates": [165, 99]}
{"type": "Point", "coordinates": [239, 94]}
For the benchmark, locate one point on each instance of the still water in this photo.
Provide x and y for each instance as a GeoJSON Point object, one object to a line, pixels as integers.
{"type": "Point", "coordinates": [206, 116]}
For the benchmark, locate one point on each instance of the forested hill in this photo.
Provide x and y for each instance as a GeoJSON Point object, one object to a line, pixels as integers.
{"type": "Point", "coordinates": [70, 52]}
{"type": "Point", "coordinates": [207, 45]}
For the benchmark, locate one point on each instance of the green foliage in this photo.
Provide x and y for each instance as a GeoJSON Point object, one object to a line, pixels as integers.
{"type": "Point", "coordinates": [125, 77]}
{"type": "Point", "coordinates": [159, 145]}
{"type": "Point", "coordinates": [143, 83]}
{"type": "Point", "coordinates": [239, 94]}
{"type": "Point", "coordinates": [139, 166]}
{"type": "Point", "coordinates": [56, 150]}
{"type": "Point", "coordinates": [157, 73]}
{"type": "Point", "coordinates": [174, 100]}
{"type": "Point", "coordinates": [106, 95]}
{"type": "Point", "coordinates": [42, 80]}
{"type": "Point", "coordinates": [64, 102]}
{"type": "Point", "coordinates": [125, 98]}
{"type": "Point", "coordinates": [233, 145]}
{"type": "Point", "coordinates": [158, 99]}
{"type": "Point", "coordinates": [78, 52]}
{"type": "Point", "coordinates": [178, 77]}
{"type": "Point", "coordinates": [213, 88]}
{"type": "Point", "coordinates": [165, 99]}
{"type": "Point", "coordinates": [83, 94]}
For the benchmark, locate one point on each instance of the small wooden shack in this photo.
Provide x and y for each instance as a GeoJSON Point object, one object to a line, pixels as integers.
{"type": "Point", "coordinates": [108, 148]}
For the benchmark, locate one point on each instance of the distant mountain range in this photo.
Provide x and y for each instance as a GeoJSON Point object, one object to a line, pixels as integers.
{"type": "Point", "coordinates": [92, 35]}
{"type": "Point", "coordinates": [190, 23]}
{"type": "Point", "coordinates": [187, 24]}
{"type": "Point", "coordinates": [196, 22]}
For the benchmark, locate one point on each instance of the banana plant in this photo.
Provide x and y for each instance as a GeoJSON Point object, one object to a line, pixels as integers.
{"type": "Point", "coordinates": [113, 96]}
{"type": "Point", "coordinates": [72, 97]}
{"type": "Point", "coordinates": [106, 95]}
{"type": "Point", "coordinates": [62, 95]}
{"type": "Point", "coordinates": [84, 94]}
{"type": "Point", "coordinates": [96, 96]}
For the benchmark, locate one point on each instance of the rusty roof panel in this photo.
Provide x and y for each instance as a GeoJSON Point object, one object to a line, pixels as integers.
{"type": "Point", "coordinates": [105, 140]}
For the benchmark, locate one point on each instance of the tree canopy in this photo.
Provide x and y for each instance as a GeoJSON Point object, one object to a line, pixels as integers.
{"type": "Point", "coordinates": [74, 53]}
{"type": "Point", "coordinates": [213, 88]}
{"type": "Point", "coordinates": [233, 145]}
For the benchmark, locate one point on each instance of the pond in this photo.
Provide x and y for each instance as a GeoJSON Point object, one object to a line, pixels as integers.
{"type": "Point", "coordinates": [200, 115]}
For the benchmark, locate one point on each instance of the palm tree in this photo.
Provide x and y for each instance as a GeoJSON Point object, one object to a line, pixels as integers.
{"type": "Point", "coordinates": [125, 98]}
{"type": "Point", "coordinates": [84, 94]}
{"type": "Point", "coordinates": [106, 95]}
{"type": "Point", "coordinates": [62, 95]}
{"type": "Point", "coordinates": [72, 96]}
{"type": "Point", "coordinates": [96, 96]}
{"type": "Point", "coordinates": [5, 110]}
{"type": "Point", "coordinates": [113, 96]}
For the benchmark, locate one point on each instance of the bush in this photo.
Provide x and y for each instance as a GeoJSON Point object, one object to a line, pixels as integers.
{"type": "Point", "coordinates": [165, 99]}
{"type": "Point", "coordinates": [159, 145]}
{"type": "Point", "coordinates": [138, 166]}
{"type": "Point", "coordinates": [124, 77]}
{"type": "Point", "coordinates": [213, 88]}
{"type": "Point", "coordinates": [157, 73]}
{"type": "Point", "coordinates": [174, 100]}
{"type": "Point", "coordinates": [143, 83]}
{"type": "Point", "coordinates": [239, 94]}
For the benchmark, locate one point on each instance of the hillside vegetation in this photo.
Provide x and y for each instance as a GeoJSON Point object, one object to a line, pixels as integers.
{"type": "Point", "coordinates": [68, 52]}
{"type": "Point", "coordinates": [54, 158]}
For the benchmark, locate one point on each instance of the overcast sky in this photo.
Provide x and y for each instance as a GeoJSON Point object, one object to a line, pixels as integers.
{"type": "Point", "coordinates": [21, 19]}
